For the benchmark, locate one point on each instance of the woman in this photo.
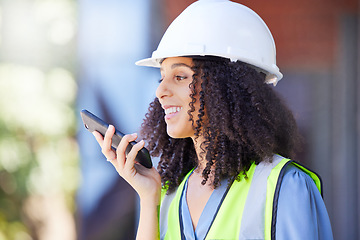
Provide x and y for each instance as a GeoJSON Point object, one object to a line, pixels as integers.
{"type": "Point", "coordinates": [223, 136]}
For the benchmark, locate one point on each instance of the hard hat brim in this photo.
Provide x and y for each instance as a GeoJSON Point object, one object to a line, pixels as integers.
{"type": "Point", "coordinates": [273, 75]}
{"type": "Point", "coordinates": [149, 62]}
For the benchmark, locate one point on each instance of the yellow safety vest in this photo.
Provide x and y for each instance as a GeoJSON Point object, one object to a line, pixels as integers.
{"type": "Point", "coordinates": [247, 212]}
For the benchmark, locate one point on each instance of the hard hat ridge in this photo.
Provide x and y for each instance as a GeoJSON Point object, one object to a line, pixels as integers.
{"type": "Point", "coordinates": [219, 28]}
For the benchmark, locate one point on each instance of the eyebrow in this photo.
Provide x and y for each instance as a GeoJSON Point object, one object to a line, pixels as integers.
{"type": "Point", "coordinates": [175, 65]}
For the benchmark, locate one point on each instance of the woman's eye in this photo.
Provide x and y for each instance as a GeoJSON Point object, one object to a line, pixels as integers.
{"type": "Point", "coordinates": [179, 78]}
{"type": "Point", "coordinates": [160, 80]}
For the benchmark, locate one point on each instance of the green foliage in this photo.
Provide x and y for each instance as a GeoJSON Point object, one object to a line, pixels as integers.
{"type": "Point", "coordinates": [38, 152]}
{"type": "Point", "coordinates": [39, 159]}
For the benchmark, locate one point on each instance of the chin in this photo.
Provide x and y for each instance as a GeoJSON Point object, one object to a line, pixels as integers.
{"type": "Point", "coordinates": [174, 133]}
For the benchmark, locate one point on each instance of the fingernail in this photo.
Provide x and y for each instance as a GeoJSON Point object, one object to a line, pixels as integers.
{"type": "Point", "coordinates": [134, 135]}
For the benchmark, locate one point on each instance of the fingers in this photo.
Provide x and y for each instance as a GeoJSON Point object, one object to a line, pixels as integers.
{"type": "Point", "coordinates": [106, 146]}
{"type": "Point", "coordinates": [99, 138]}
{"type": "Point", "coordinates": [121, 149]}
{"type": "Point", "coordinates": [130, 159]}
{"type": "Point", "coordinates": [105, 142]}
{"type": "Point", "coordinates": [119, 159]}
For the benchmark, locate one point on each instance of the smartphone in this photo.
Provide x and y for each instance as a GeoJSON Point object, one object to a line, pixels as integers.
{"type": "Point", "coordinates": [93, 123]}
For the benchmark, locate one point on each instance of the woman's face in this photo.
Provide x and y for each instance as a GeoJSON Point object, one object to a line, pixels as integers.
{"type": "Point", "coordinates": [174, 96]}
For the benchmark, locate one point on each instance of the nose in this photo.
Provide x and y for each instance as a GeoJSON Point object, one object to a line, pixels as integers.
{"type": "Point", "coordinates": [163, 89]}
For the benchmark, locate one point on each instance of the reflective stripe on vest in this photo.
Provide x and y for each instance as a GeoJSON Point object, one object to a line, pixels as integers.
{"type": "Point", "coordinates": [253, 199]}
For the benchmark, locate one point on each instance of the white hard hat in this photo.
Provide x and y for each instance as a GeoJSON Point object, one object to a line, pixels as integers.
{"type": "Point", "coordinates": [219, 28]}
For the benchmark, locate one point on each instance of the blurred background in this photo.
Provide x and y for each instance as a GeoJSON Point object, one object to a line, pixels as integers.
{"type": "Point", "coordinates": [60, 56]}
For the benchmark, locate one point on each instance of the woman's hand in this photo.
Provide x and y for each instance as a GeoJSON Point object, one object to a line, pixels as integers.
{"type": "Point", "coordinates": [146, 182]}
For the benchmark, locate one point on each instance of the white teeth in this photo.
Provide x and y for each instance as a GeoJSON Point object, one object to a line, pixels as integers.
{"type": "Point", "coordinates": [172, 110]}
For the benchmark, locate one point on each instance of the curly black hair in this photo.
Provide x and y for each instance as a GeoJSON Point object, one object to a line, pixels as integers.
{"type": "Point", "coordinates": [246, 122]}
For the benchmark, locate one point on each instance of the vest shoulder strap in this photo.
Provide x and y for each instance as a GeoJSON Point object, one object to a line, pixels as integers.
{"type": "Point", "coordinates": [248, 198]}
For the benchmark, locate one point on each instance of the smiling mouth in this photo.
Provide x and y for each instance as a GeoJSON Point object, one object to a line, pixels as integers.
{"type": "Point", "coordinates": [172, 110]}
